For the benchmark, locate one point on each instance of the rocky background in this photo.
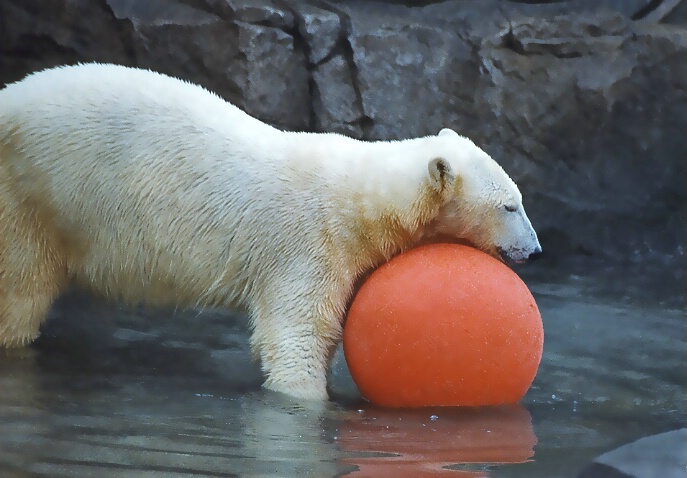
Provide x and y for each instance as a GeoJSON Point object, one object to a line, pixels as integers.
{"type": "Point", "coordinates": [584, 102]}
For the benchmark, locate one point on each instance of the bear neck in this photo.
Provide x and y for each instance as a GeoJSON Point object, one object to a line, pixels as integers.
{"type": "Point", "coordinates": [379, 198]}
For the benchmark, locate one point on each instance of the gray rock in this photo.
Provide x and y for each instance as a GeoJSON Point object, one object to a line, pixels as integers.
{"type": "Point", "coordinates": [585, 107]}
{"type": "Point", "coordinates": [160, 12]}
{"type": "Point", "coordinates": [267, 13]}
{"type": "Point", "coordinates": [663, 455]}
{"type": "Point", "coordinates": [321, 30]}
{"type": "Point", "coordinates": [404, 70]}
{"type": "Point", "coordinates": [337, 105]}
{"type": "Point", "coordinates": [274, 84]}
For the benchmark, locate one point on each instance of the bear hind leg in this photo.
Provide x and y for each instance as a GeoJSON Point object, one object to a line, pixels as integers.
{"type": "Point", "coordinates": [32, 275]}
{"type": "Point", "coordinates": [21, 314]}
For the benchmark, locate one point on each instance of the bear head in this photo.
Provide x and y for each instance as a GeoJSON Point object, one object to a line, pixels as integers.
{"type": "Point", "coordinates": [481, 204]}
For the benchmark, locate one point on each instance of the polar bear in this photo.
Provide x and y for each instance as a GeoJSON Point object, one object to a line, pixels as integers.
{"type": "Point", "coordinates": [146, 188]}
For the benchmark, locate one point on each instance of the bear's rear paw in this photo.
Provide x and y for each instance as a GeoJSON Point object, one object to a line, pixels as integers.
{"type": "Point", "coordinates": [20, 327]}
{"type": "Point", "coordinates": [8, 340]}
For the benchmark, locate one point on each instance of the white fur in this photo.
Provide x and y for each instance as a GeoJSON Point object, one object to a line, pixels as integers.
{"type": "Point", "coordinates": [146, 188]}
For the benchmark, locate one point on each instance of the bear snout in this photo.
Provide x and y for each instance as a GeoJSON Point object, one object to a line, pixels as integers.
{"type": "Point", "coordinates": [519, 256]}
{"type": "Point", "coordinates": [535, 255]}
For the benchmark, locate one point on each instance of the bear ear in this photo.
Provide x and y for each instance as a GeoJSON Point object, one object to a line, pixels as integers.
{"type": "Point", "coordinates": [440, 173]}
{"type": "Point", "coordinates": [447, 132]}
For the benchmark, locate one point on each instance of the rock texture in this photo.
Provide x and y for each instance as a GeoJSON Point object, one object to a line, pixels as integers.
{"type": "Point", "coordinates": [583, 102]}
{"type": "Point", "coordinates": [661, 455]}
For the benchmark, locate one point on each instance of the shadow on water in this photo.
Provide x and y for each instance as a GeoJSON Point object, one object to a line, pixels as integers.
{"type": "Point", "coordinates": [108, 392]}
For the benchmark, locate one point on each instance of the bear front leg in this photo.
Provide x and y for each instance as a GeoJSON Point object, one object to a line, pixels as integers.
{"type": "Point", "coordinates": [295, 341]}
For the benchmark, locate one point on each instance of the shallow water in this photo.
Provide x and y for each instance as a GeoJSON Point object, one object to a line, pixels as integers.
{"type": "Point", "coordinates": [112, 393]}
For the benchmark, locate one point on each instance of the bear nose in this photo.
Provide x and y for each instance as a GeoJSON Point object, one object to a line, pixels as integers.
{"type": "Point", "coordinates": [535, 255]}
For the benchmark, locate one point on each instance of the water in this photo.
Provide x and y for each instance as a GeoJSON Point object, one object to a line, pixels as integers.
{"type": "Point", "coordinates": [107, 392]}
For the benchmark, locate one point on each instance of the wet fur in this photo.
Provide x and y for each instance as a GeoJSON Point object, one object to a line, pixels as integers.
{"type": "Point", "coordinates": [144, 188]}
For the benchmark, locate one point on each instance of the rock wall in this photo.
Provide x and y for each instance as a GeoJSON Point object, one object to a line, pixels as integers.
{"type": "Point", "coordinates": [583, 102]}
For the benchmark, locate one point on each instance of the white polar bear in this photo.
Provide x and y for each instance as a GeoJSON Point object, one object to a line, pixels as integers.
{"type": "Point", "coordinates": [146, 188]}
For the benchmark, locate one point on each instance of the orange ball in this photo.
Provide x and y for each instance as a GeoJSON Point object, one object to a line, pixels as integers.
{"type": "Point", "coordinates": [443, 324]}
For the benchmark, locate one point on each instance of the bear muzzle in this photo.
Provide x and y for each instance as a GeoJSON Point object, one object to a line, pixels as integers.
{"type": "Point", "coordinates": [519, 256]}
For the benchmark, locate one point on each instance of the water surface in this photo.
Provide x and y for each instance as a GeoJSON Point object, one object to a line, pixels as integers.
{"type": "Point", "coordinates": [109, 392]}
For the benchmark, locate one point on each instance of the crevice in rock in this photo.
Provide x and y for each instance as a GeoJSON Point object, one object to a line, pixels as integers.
{"type": "Point", "coordinates": [525, 45]}
{"type": "Point", "coordinates": [223, 10]}
{"type": "Point", "coordinates": [127, 31]}
{"type": "Point", "coordinates": [364, 122]}
{"type": "Point", "coordinates": [510, 42]}
{"type": "Point", "coordinates": [656, 11]}
{"type": "Point", "coordinates": [345, 46]}
{"type": "Point", "coordinates": [302, 45]}
{"type": "Point", "coordinates": [646, 9]}
{"type": "Point", "coordinates": [336, 50]}
{"type": "Point", "coordinates": [268, 24]}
